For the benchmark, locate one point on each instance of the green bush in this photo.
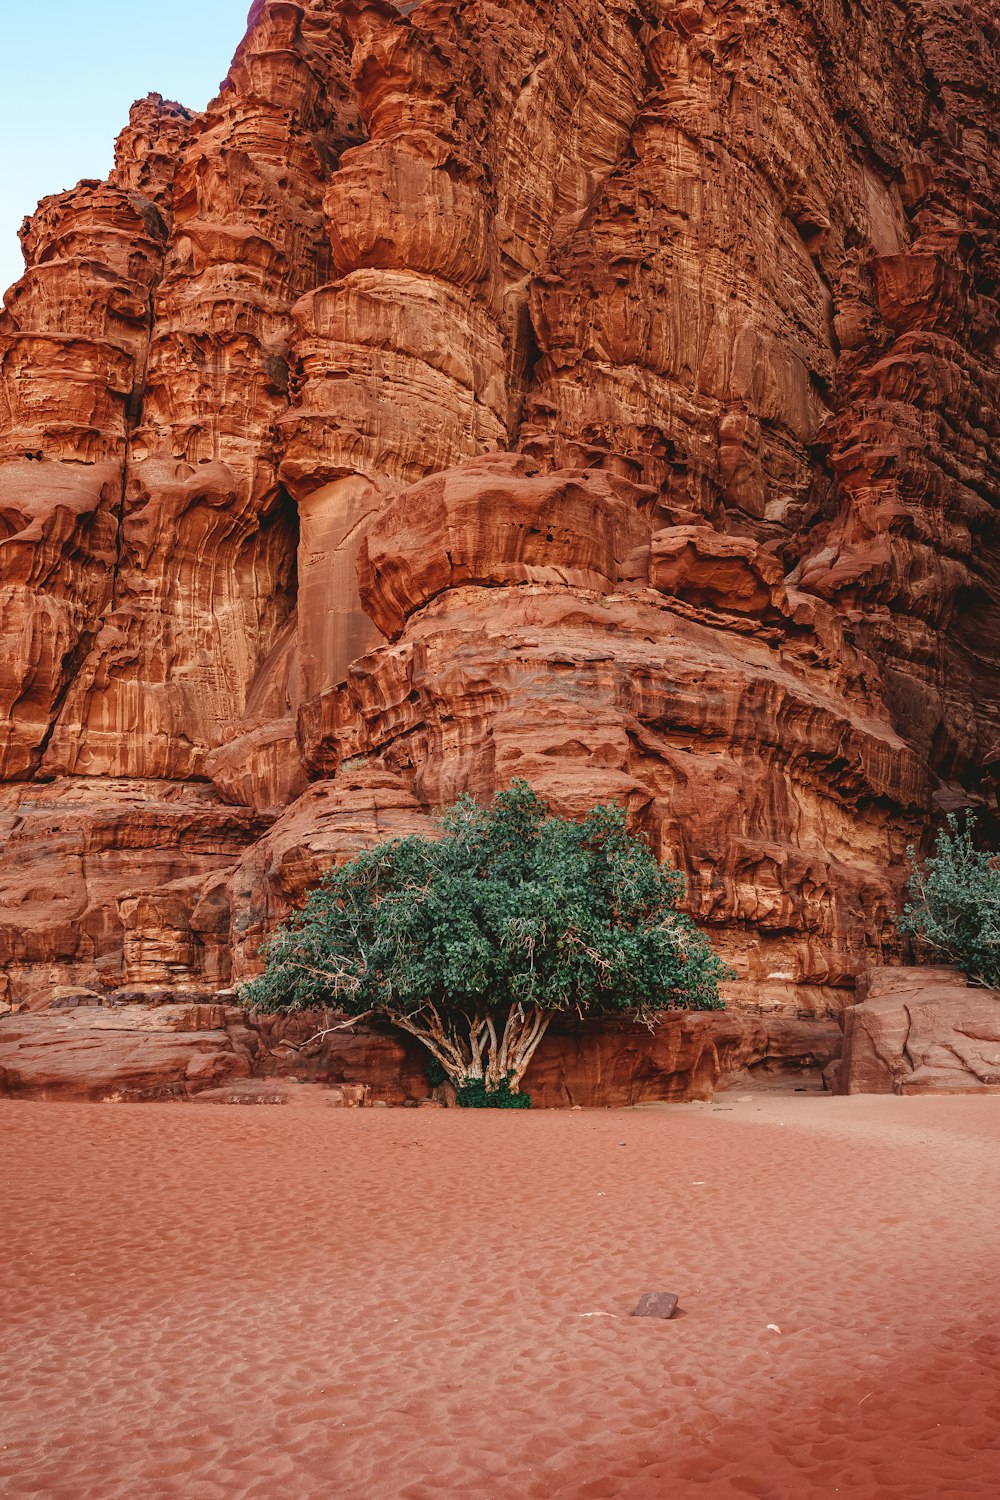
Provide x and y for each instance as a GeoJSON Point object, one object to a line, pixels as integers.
{"type": "Point", "coordinates": [473, 940]}
{"type": "Point", "coordinates": [475, 1095]}
{"type": "Point", "coordinates": [954, 905]}
{"type": "Point", "coordinates": [435, 1073]}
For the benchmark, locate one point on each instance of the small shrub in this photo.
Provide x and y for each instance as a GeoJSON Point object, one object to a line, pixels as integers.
{"type": "Point", "coordinates": [435, 1073]}
{"type": "Point", "coordinates": [954, 905]}
{"type": "Point", "coordinates": [476, 1095]}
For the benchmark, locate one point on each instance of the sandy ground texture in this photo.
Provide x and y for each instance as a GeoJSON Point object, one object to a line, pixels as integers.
{"type": "Point", "coordinates": [298, 1302]}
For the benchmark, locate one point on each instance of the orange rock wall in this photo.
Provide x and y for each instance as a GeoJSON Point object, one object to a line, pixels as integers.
{"type": "Point", "coordinates": [602, 392]}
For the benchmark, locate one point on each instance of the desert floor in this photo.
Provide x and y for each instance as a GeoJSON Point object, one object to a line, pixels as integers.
{"type": "Point", "coordinates": [215, 1302]}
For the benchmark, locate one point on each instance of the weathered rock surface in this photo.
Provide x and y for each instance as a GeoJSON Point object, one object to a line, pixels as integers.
{"type": "Point", "coordinates": [136, 1052]}
{"type": "Point", "coordinates": [129, 1053]}
{"type": "Point", "coordinates": [921, 1031]}
{"type": "Point", "coordinates": [686, 1057]}
{"type": "Point", "coordinates": [601, 393]}
{"type": "Point", "coordinates": [72, 850]}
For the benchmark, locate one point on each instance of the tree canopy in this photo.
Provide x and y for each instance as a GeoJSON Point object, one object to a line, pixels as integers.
{"type": "Point", "coordinates": [473, 940]}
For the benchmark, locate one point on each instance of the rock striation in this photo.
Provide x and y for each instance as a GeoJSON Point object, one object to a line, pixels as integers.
{"type": "Point", "coordinates": [602, 392]}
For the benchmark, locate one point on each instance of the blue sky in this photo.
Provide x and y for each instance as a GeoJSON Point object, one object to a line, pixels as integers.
{"type": "Point", "coordinates": [71, 69]}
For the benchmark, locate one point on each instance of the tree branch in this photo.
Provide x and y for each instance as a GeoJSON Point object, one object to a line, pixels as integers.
{"type": "Point", "coordinates": [319, 1035]}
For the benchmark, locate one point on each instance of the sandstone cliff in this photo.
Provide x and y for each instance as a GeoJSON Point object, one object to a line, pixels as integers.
{"type": "Point", "coordinates": [603, 392]}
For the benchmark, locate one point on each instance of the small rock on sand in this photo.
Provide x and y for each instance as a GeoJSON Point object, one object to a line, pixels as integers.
{"type": "Point", "coordinates": [655, 1305]}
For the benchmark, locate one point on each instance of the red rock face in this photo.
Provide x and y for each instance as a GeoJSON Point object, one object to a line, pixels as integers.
{"type": "Point", "coordinates": [604, 394]}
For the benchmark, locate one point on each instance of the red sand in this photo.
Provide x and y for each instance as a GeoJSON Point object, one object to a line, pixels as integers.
{"type": "Point", "coordinates": [215, 1302]}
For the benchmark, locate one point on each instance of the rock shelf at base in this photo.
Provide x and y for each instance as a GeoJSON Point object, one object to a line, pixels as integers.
{"type": "Point", "coordinates": [133, 1053]}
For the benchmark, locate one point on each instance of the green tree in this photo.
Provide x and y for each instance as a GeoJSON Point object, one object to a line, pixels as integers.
{"type": "Point", "coordinates": [473, 940]}
{"type": "Point", "coordinates": [954, 902]}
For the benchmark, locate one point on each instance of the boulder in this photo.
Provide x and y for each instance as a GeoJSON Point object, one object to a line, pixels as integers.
{"type": "Point", "coordinates": [921, 1031]}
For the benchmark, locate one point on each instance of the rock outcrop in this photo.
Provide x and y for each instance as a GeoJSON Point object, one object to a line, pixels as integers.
{"type": "Point", "coordinates": [921, 1031]}
{"type": "Point", "coordinates": [81, 1049]}
{"type": "Point", "coordinates": [603, 392]}
{"type": "Point", "coordinates": [131, 1053]}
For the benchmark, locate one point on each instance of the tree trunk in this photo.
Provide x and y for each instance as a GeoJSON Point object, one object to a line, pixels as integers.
{"type": "Point", "coordinates": [478, 1048]}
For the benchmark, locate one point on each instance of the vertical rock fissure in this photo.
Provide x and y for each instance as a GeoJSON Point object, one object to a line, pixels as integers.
{"type": "Point", "coordinates": [133, 414]}
{"type": "Point", "coordinates": [70, 668]}
{"type": "Point", "coordinates": [74, 661]}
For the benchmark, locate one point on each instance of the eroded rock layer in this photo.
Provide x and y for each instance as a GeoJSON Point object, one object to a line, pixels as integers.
{"type": "Point", "coordinates": [602, 392]}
